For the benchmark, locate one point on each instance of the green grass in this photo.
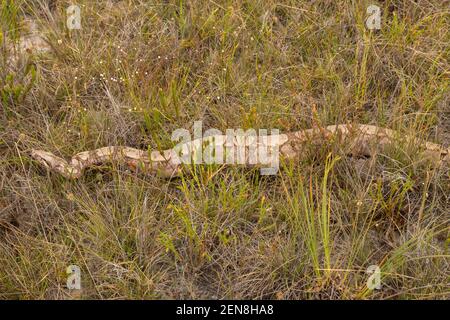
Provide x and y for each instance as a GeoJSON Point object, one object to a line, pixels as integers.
{"type": "Point", "coordinates": [138, 70]}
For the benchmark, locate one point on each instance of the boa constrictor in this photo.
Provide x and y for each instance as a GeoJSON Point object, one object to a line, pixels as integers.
{"type": "Point", "coordinates": [358, 140]}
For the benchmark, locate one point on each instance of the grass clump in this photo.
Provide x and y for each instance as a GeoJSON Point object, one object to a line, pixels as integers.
{"type": "Point", "coordinates": [138, 70]}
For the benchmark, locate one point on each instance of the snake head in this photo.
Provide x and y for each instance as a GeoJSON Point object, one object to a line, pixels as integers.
{"type": "Point", "coordinates": [52, 162]}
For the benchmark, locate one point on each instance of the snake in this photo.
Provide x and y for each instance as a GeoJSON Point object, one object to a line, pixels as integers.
{"type": "Point", "coordinates": [357, 139]}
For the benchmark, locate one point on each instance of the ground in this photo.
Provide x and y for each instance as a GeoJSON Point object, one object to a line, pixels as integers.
{"type": "Point", "coordinates": [138, 70]}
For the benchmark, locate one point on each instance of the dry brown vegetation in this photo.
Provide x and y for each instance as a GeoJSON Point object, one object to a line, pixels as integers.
{"type": "Point", "coordinates": [137, 70]}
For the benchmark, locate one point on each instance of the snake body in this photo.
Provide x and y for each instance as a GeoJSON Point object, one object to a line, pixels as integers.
{"type": "Point", "coordinates": [358, 140]}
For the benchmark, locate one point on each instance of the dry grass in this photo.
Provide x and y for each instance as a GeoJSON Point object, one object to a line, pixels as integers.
{"type": "Point", "coordinates": [138, 70]}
